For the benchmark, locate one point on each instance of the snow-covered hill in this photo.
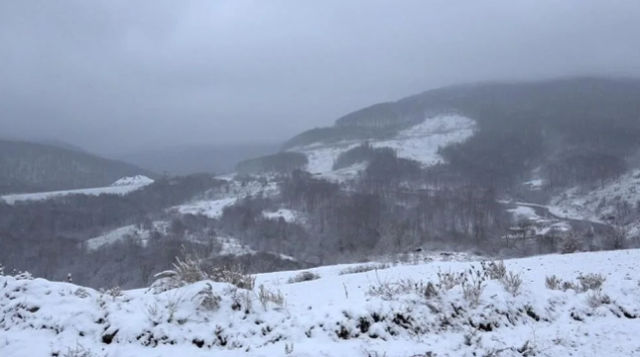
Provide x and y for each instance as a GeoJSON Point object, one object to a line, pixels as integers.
{"type": "Point", "coordinates": [137, 180]}
{"type": "Point", "coordinates": [420, 142]}
{"type": "Point", "coordinates": [601, 203]}
{"type": "Point", "coordinates": [348, 310]}
{"type": "Point", "coordinates": [120, 187]}
{"type": "Point", "coordinates": [214, 205]}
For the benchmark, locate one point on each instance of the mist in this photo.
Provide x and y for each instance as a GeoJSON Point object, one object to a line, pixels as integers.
{"type": "Point", "coordinates": [118, 76]}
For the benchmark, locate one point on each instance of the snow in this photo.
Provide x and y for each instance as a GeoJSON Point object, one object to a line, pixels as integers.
{"type": "Point", "coordinates": [598, 202]}
{"type": "Point", "coordinates": [214, 205]}
{"type": "Point", "coordinates": [133, 181]}
{"type": "Point", "coordinates": [117, 234]}
{"type": "Point", "coordinates": [524, 212]}
{"type": "Point", "coordinates": [535, 184]}
{"type": "Point", "coordinates": [209, 208]}
{"type": "Point", "coordinates": [121, 187]}
{"type": "Point", "coordinates": [287, 214]}
{"type": "Point", "coordinates": [420, 142]}
{"type": "Point", "coordinates": [42, 196]}
{"type": "Point", "coordinates": [321, 159]}
{"type": "Point", "coordinates": [540, 225]}
{"type": "Point", "coordinates": [43, 318]}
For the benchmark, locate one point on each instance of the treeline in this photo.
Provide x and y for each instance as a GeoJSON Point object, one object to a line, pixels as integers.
{"type": "Point", "coordinates": [280, 163]}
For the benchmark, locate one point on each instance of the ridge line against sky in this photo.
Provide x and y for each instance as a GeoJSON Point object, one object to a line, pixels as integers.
{"type": "Point", "coordinates": [114, 75]}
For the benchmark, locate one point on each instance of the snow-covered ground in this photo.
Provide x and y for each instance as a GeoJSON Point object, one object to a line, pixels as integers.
{"type": "Point", "coordinates": [420, 142]}
{"type": "Point", "coordinates": [599, 202]}
{"type": "Point", "coordinates": [214, 204]}
{"type": "Point", "coordinates": [374, 313]}
{"type": "Point", "coordinates": [42, 196]}
{"type": "Point", "coordinates": [209, 208]}
{"type": "Point", "coordinates": [540, 226]}
{"type": "Point", "coordinates": [115, 235]}
{"type": "Point", "coordinates": [287, 214]}
{"type": "Point", "coordinates": [120, 187]}
{"type": "Point", "coordinates": [133, 181]}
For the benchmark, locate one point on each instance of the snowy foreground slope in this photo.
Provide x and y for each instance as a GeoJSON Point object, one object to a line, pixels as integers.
{"type": "Point", "coordinates": [389, 312]}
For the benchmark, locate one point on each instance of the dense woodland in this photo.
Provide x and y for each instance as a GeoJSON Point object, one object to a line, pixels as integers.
{"type": "Point", "coordinates": [574, 132]}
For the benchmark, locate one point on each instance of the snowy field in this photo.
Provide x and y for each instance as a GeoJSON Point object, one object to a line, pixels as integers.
{"type": "Point", "coordinates": [420, 142]}
{"type": "Point", "coordinates": [120, 187]}
{"type": "Point", "coordinates": [390, 312]}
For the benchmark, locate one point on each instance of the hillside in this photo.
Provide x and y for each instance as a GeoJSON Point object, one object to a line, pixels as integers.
{"type": "Point", "coordinates": [576, 130]}
{"type": "Point", "coordinates": [31, 167]}
{"type": "Point", "coordinates": [558, 305]}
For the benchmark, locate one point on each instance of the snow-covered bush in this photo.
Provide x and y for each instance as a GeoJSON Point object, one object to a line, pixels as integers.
{"type": "Point", "coordinates": [364, 268]}
{"type": "Point", "coordinates": [512, 283]}
{"type": "Point", "coordinates": [585, 283]}
{"type": "Point", "coordinates": [207, 299]}
{"type": "Point", "coordinates": [190, 270]}
{"type": "Point", "coordinates": [265, 297]}
{"type": "Point", "coordinates": [303, 276]}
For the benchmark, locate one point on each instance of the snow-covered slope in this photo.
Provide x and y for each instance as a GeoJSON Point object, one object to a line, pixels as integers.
{"type": "Point", "coordinates": [41, 196]}
{"type": "Point", "coordinates": [133, 231]}
{"type": "Point", "coordinates": [120, 187]}
{"type": "Point", "coordinates": [420, 142]}
{"type": "Point", "coordinates": [137, 180]}
{"type": "Point", "coordinates": [235, 190]}
{"type": "Point", "coordinates": [286, 214]}
{"type": "Point", "coordinates": [601, 202]}
{"type": "Point", "coordinates": [372, 313]}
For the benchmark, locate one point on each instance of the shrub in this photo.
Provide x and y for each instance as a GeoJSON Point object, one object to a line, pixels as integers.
{"type": "Point", "coordinates": [190, 270]}
{"type": "Point", "coordinates": [302, 277]}
{"type": "Point", "coordinates": [553, 282]}
{"type": "Point", "coordinates": [207, 299]}
{"type": "Point", "coordinates": [233, 275]}
{"type": "Point", "coordinates": [570, 244]}
{"type": "Point", "coordinates": [597, 298]}
{"type": "Point", "coordinates": [391, 290]}
{"type": "Point", "coordinates": [591, 281]}
{"type": "Point", "coordinates": [585, 283]}
{"type": "Point", "coordinates": [494, 270]}
{"type": "Point", "coordinates": [265, 297]}
{"type": "Point", "coordinates": [472, 289]}
{"type": "Point", "coordinates": [512, 283]}
{"type": "Point", "coordinates": [449, 280]}
{"type": "Point", "coordinates": [363, 268]}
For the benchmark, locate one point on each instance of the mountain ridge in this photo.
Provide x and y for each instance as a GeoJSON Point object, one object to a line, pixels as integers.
{"type": "Point", "coordinates": [35, 167]}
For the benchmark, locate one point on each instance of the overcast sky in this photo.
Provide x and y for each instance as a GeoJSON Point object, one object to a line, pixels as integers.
{"type": "Point", "coordinates": [113, 75]}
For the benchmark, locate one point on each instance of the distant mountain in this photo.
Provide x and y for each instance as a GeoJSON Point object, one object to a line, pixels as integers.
{"type": "Point", "coordinates": [497, 133]}
{"type": "Point", "coordinates": [186, 160]}
{"type": "Point", "coordinates": [35, 167]}
{"type": "Point", "coordinates": [60, 144]}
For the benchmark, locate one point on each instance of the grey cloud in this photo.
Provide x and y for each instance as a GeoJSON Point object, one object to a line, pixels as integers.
{"type": "Point", "coordinates": [113, 75]}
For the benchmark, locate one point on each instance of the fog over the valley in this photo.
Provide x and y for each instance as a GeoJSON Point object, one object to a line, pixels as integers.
{"type": "Point", "coordinates": [113, 76]}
